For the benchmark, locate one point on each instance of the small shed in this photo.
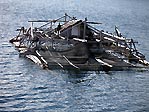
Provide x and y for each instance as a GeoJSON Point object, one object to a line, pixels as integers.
{"type": "Point", "coordinates": [72, 29]}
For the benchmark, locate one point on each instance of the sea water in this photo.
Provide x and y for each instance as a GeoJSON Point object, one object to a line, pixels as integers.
{"type": "Point", "coordinates": [25, 87]}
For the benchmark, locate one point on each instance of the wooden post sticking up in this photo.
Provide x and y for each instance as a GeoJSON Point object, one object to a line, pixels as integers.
{"type": "Point", "coordinates": [32, 30]}
{"type": "Point", "coordinates": [51, 25]}
{"type": "Point", "coordinates": [65, 17]}
{"type": "Point", "coordinates": [84, 32]}
{"type": "Point", "coordinates": [58, 29]}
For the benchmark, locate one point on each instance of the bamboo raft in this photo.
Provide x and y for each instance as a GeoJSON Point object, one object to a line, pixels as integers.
{"type": "Point", "coordinates": [69, 43]}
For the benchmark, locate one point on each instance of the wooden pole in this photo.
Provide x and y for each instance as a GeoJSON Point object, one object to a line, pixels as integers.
{"type": "Point", "coordinates": [65, 17]}
{"type": "Point", "coordinates": [84, 32]}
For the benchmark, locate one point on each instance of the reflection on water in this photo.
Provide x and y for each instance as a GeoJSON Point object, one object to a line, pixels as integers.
{"type": "Point", "coordinates": [25, 86]}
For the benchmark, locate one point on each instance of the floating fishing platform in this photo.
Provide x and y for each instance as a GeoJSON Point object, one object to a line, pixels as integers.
{"type": "Point", "coordinates": [70, 43]}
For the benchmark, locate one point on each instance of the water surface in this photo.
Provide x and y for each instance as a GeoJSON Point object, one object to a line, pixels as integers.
{"type": "Point", "coordinates": [26, 87]}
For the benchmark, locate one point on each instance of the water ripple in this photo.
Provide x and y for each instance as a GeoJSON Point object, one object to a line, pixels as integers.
{"type": "Point", "coordinates": [26, 87]}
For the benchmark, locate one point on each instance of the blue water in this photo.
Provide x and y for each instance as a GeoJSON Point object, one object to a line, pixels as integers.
{"type": "Point", "coordinates": [26, 87]}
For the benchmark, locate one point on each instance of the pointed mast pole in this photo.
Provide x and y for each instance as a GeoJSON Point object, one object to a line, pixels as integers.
{"type": "Point", "coordinates": [65, 17]}
{"type": "Point", "coordinates": [32, 30]}
{"type": "Point", "coordinates": [84, 32]}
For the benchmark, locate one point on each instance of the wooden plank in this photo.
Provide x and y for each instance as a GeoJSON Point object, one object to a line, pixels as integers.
{"type": "Point", "coordinates": [103, 63]}
{"type": "Point", "coordinates": [70, 62]}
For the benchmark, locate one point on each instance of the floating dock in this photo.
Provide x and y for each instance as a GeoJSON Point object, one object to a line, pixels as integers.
{"type": "Point", "coordinates": [69, 43]}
